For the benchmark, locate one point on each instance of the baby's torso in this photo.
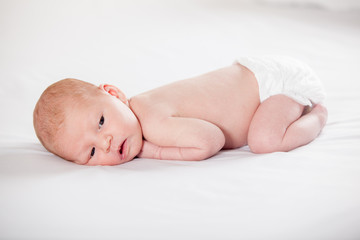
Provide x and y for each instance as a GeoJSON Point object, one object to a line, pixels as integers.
{"type": "Point", "coordinates": [227, 97]}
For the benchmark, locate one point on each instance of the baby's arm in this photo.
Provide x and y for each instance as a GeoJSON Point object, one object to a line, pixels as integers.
{"type": "Point", "coordinates": [177, 138]}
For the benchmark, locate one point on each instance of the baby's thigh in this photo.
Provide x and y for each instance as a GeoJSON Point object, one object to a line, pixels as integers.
{"type": "Point", "coordinates": [271, 119]}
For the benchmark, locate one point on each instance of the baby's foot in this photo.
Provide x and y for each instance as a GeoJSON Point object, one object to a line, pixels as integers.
{"type": "Point", "coordinates": [321, 112]}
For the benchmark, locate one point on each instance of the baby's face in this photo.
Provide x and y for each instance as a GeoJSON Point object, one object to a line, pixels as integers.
{"type": "Point", "coordinates": [102, 131]}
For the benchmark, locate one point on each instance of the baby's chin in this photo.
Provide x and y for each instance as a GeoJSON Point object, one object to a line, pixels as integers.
{"type": "Point", "coordinates": [134, 145]}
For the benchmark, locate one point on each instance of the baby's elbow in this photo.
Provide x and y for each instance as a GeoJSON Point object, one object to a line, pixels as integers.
{"type": "Point", "coordinates": [210, 147]}
{"type": "Point", "coordinates": [217, 144]}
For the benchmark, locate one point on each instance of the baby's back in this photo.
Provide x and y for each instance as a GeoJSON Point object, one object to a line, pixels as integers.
{"type": "Point", "coordinates": [227, 98]}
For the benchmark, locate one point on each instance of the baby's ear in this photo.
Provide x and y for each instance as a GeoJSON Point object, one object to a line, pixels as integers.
{"type": "Point", "coordinates": [114, 91]}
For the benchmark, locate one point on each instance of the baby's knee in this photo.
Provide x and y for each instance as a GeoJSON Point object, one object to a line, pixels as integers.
{"type": "Point", "coordinates": [261, 143]}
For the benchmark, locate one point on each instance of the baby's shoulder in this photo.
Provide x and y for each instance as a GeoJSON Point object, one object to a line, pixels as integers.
{"type": "Point", "coordinates": [148, 110]}
{"type": "Point", "coordinates": [150, 115]}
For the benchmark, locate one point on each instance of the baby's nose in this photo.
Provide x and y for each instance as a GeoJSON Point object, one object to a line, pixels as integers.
{"type": "Point", "coordinates": [107, 143]}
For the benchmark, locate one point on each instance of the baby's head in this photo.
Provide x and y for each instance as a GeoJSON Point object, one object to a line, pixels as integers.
{"type": "Point", "coordinates": [86, 124]}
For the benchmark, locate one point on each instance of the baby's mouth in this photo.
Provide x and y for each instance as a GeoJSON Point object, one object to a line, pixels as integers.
{"type": "Point", "coordinates": [121, 147]}
{"type": "Point", "coordinates": [122, 150]}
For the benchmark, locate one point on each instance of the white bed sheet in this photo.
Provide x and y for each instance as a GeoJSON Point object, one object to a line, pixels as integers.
{"type": "Point", "coordinates": [312, 192]}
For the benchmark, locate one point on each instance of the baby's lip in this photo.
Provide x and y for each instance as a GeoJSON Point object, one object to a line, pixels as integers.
{"type": "Point", "coordinates": [122, 149]}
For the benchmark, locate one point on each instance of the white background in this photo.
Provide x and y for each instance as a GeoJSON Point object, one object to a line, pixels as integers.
{"type": "Point", "coordinates": [309, 193]}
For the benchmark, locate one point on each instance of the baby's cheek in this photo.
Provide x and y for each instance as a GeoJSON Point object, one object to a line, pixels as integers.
{"type": "Point", "coordinates": [111, 159]}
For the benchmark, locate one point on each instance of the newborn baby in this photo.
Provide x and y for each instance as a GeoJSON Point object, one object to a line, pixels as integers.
{"type": "Point", "coordinates": [269, 103]}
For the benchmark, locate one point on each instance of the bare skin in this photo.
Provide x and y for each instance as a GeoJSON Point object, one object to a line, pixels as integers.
{"type": "Point", "coordinates": [195, 118]}
{"type": "Point", "coordinates": [191, 119]}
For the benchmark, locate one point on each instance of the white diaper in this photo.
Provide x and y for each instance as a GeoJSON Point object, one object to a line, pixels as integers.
{"type": "Point", "coordinates": [284, 75]}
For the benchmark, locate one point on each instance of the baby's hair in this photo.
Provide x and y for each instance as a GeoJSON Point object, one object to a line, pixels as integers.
{"type": "Point", "coordinates": [50, 110]}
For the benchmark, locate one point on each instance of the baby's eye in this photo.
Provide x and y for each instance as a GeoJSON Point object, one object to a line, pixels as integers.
{"type": "Point", "coordinates": [102, 121]}
{"type": "Point", "coordinates": [92, 152]}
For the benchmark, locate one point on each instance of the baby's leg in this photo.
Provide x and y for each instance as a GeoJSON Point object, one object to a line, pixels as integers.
{"type": "Point", "coordinates": [280, 125]}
